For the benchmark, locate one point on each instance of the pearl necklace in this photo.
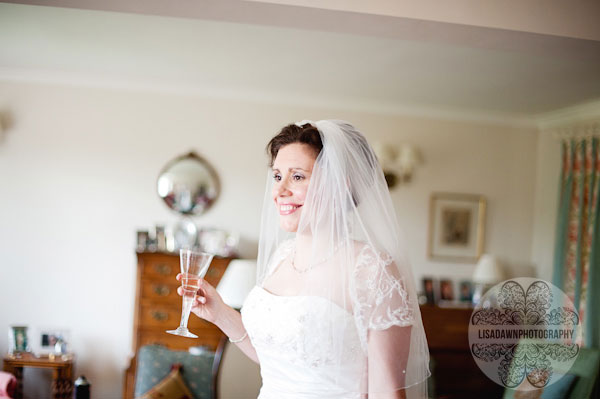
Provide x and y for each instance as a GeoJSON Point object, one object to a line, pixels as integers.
{"type": "Point", "coordinates": [310, 267]}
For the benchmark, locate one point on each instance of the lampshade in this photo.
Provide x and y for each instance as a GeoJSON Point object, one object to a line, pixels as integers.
{"type": "Point", "coordinates": [238, 280]}
{"type": "Point", "coordinates": [488, 270]}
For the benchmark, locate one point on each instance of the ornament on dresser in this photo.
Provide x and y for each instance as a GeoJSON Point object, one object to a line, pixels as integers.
{"type": "Point", "coordinates": [219, 242]}
{"type": "Point", "coordinates": [186, 234]}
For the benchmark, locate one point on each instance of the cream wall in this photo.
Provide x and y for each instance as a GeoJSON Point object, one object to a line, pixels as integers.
{"type": "Point", "coordinates": [78, 169]}
{"type": "Point", "coordinates": [546, 203]}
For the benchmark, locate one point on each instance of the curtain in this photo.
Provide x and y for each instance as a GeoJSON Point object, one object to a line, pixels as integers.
{"type": "Point", "coordinates": [577, 250]}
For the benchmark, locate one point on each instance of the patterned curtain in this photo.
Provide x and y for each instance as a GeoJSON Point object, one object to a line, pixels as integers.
{"type": "Point", "coordinates": [577, 250]}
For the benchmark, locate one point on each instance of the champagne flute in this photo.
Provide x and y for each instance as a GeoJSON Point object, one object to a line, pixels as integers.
{"type": "Point", "coordinates": [194, 266]}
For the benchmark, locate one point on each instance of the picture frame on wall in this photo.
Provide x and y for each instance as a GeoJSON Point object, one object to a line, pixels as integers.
{"type": "Point", "coordinates": [456, 227]}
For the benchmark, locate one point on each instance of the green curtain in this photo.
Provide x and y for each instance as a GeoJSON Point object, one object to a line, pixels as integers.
{"type": "Point", "coordinates": [577, 250]}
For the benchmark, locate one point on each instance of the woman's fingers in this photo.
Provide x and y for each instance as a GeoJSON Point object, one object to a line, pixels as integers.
{"type": "Point", "coordinates": [200, 298]}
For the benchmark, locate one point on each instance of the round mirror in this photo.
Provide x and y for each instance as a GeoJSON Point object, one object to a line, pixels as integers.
{"type": "Point", "coordinates": [188, 185]}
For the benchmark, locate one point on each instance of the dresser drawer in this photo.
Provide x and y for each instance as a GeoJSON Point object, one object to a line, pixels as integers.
{"type": "Point", "coordinates": [164, 267]}
{"type": "Point", "coordinates": [161, 267]}
{"type": "Point", "coordinates": [160, 291]}
{"type": "Point", "coordinates": [206, 337]}
{"type": "Point", "coordinates": [216, 270]}
{"type": "Point", "coordinates": [168, 317]}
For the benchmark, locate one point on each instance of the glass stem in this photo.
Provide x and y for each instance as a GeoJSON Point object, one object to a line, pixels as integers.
{"type": "Point", "coordinates": [185, 310]}
{"type": "Point", "coordinates": [184, 320]}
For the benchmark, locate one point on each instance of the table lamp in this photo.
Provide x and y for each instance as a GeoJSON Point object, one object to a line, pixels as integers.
{"type": "Point", "coordinates": [236, 283]}
{"type": "Point", "coordinates": [488, 272]}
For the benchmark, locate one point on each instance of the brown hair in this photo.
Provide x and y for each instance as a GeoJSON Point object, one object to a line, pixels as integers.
{"type": "Point", "coordinates": [305, 134]}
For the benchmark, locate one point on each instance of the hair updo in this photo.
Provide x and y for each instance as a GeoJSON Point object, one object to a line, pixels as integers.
{"type": "Point", "coordinates": [290, 134]}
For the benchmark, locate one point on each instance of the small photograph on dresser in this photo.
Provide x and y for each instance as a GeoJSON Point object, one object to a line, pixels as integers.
{"type": "Point", "coordinates": [465, 289]}
{"type": "Point", "coordinates": [446, 290]}
{"type": "Point", "coordinates": [18, 339]}
{"type": "Point", "coordinates": [143, 240]}
{"type": "Point", "coordinates": [53, 341]}
{"type": "Point", "coordinates": [429, 290]}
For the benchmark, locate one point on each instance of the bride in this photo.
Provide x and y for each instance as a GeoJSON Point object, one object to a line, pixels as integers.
{"type": "Point", "coordinates": [334, 313]}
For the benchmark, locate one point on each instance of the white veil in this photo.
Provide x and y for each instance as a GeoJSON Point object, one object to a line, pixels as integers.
{"type": "Point", "coordinates": [351, 256]}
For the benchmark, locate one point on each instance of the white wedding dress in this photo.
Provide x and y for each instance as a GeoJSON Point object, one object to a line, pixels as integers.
{"type": "Point", "coordinates": [295, 351]}
{"type": "Point", "coordinates": [295, 360]}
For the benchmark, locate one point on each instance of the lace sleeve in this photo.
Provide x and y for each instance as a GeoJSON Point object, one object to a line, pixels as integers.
{"type": "Point", "coordinates": [380, 296]}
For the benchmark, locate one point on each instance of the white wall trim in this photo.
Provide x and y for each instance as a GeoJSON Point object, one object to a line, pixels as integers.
{"type": "Point", "coordinates": [584, 112]}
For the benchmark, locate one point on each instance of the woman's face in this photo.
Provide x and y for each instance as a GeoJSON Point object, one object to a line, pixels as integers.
{"type": "Point", "coordinates": [292, 170]}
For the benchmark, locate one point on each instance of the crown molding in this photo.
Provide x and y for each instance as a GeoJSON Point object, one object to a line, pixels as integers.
{"type": "Point", "coordinates": [587, 113]}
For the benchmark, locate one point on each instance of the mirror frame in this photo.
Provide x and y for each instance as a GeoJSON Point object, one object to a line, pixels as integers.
{"type": "Point", "coordinates": [192, 155]}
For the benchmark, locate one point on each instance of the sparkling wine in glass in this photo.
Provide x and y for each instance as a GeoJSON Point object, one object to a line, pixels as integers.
{"type": "Point", "coordinates": [194, 265]}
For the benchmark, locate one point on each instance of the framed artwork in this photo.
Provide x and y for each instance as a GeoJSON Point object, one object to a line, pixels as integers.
{"type": "Point", "coordinates": [456, 227]}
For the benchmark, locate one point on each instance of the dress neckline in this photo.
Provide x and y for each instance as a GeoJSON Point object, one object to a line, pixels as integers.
{"type": "Point", "coordinates": [292, 297]}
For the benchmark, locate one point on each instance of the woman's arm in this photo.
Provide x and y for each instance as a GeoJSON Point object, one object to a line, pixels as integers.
{"type": "Point", "coordinates": [209, 306]}
{"type": "Point", "coordinates": [387, 361]}
{"type": "Point", "coordinates": [230, 322]}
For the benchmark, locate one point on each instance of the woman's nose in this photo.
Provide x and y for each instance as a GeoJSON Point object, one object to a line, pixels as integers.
{"type": "Point", "coordinates": [282, 190]}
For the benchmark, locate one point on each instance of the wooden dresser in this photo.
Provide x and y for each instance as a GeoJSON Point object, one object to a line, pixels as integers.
{"type": "Point", "coordinates": [455, 373]}
{"type": "Point", "coordinates": [158, 308]}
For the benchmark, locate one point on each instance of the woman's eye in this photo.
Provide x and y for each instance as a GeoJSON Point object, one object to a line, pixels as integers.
{"type": "Point", "coordinates": [277, 177]}
{"type": "Point", "coordinates": [298, 177]}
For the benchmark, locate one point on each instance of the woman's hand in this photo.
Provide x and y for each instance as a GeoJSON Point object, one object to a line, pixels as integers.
{"type": "Point", "coordinates": [208, 304]}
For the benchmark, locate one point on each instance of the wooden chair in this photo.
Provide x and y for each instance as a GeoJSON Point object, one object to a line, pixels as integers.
{"type": "Point", "coordinates": [153, 362]}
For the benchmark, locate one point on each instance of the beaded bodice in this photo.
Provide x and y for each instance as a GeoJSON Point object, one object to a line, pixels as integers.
{"type": "Point", "coordinates": [295, 349]}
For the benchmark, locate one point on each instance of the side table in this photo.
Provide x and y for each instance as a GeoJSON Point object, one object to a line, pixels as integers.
{"type": "Point", "coordinates": [62, 372]}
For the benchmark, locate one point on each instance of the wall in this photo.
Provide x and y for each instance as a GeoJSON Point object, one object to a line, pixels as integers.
{"type": "Point", "coordinates": [546, 203]}
{"type": "Point", "coordinates": [78, 169]}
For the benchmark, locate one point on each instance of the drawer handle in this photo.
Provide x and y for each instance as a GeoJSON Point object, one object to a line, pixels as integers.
{"type": "Point", "coordinates": [161, 290]}
{"type": "Point", "coordinates": [159, 316]}
{"type": "Point", "coordinates": [163, 269]}
{"type": "Point", "coordinates": [211, 272]}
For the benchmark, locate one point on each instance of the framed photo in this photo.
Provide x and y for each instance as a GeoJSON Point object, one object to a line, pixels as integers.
{"type": "Point", "coordinates": [446, 290]}
{"type": "Point", "coordinates": [143, 240]}
{"type": "Point", "coordinates": [456, 227]}
{"type": "Point", "coordinates": [465, 289]}
{"type": "Point", "coordinates": [53, 341]}
{"type": "Point", "coordinates": [430, 290]}
{"type": "Point", "coordinates": [18, 339]}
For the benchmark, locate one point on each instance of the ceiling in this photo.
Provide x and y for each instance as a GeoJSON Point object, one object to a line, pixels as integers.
{"type": "Point", "coordinates": [271, 52]}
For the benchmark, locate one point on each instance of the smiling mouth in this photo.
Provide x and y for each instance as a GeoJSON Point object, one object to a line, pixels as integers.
{"type": "Point", "coordinates": [288, 209]}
